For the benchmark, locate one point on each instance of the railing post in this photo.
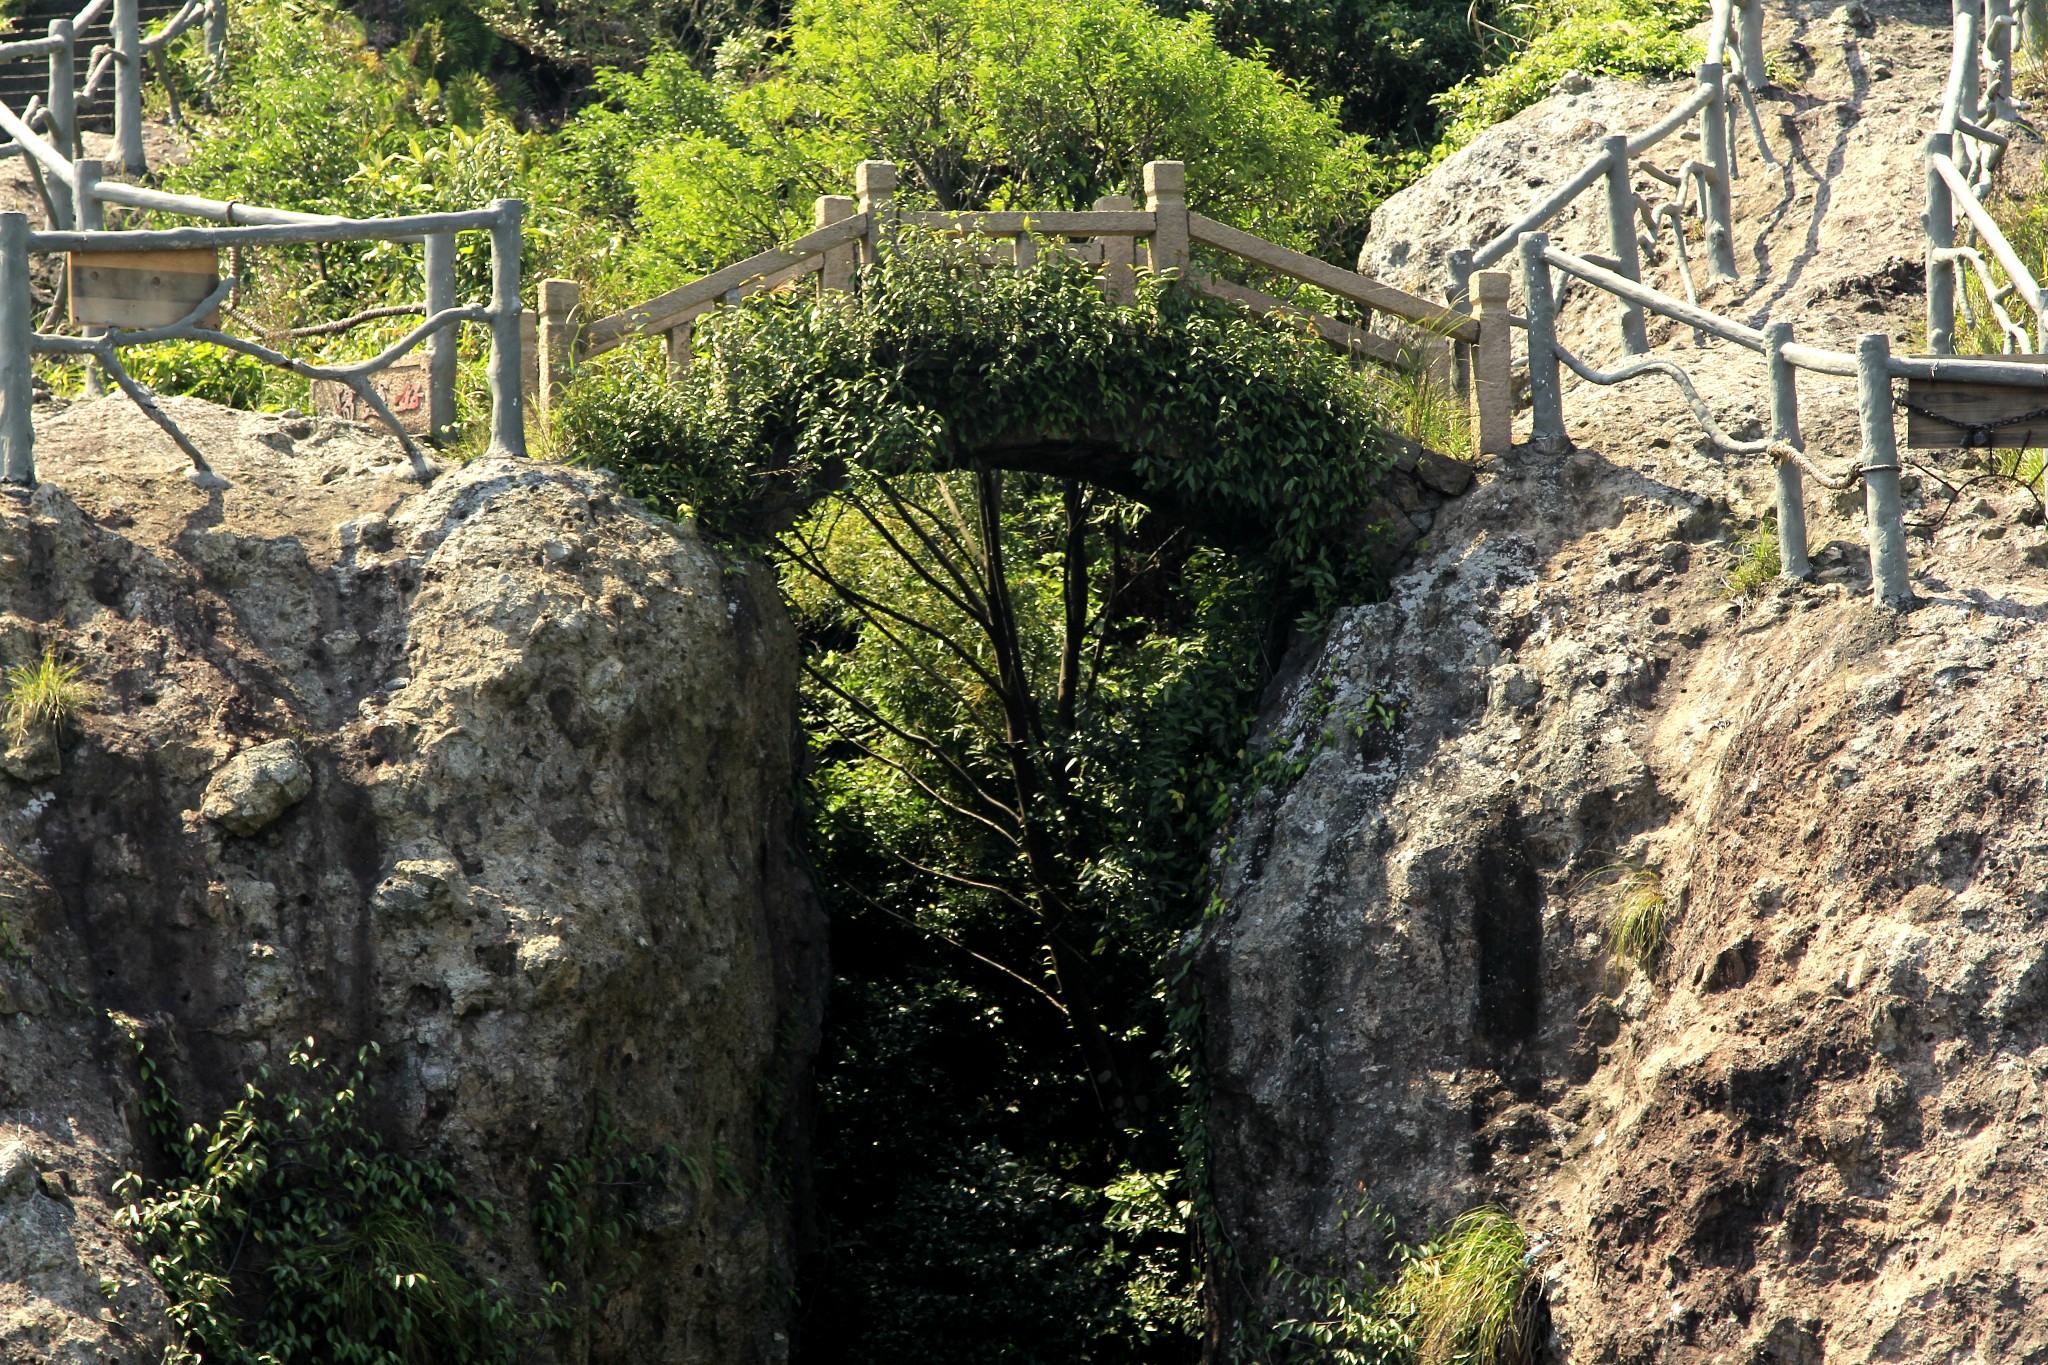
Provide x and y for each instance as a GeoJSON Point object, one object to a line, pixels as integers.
{"type": "Point", "coordinates": [1166, 197]}
{"type": "Point", "coordinates": [1621, 239]}
{"type": "Point", "coordinates": [508, 408]}
{"type": "Point", "coordinates": [441, 346]}
{"type": "Point", "coordinates": [1459, 262]}
{"type": "Point", "coordinates": [1941, 239]}
{"type": "Point", "coordinates": [558, 300]}
{"type": "Point", "coordinates": [874, 182]}
{"type": "Point", "coordinates": [1493, 367]}
{"type": "Point", "coordinates": [1119, 254]}
{"type": "Point", "coordinates": [678, 346]}
{"type": "Point", "coordinates": [1749, 44]}
{"type": "Point", "coordinates": [216, 43]}
{"type": "Point", "coordinates": [1714, 149]}
{"type": "Point", "coordinates": [17, 359]}
{"type": "Point", "coordinates": [1792, 560]}
{"type": "Point", "coordinates": [92, 217]}
{"type": "Point", "coordinates": [1546, 393]}
{"type": "Point", "coordinates": [129, 158]}
{"type": "Point", "coordinates": [1884, 527]}
{"type": "Point", "coordinates": [836, 273]}
{"type": "Point", "coordinates": [1998, 35]}
{"type": "Point", "coordinates": [62, 101]}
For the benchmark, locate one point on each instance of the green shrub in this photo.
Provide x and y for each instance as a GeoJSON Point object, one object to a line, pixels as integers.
{"type": "Point", "coordinates": [1758, 562]}
{"type": "Point", "coordinates": [199, 369]}
{"type": "Point", "coordinates": [1598, 38]}
{"type": "Point", "coordinates": [291, 1236]}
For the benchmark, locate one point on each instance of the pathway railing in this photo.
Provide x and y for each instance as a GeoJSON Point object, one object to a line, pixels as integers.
{"type": "Point", "coordinates": [1113, 235]}
{"type": "Point", "coordinates": [55, 114]}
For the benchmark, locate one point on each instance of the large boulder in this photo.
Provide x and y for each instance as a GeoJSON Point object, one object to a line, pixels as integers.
{"type": "Point", "coordinates": [496, 773]}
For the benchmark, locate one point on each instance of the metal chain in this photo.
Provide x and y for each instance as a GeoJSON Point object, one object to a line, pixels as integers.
{"type": "Point", "coordinates": [1976, 435]}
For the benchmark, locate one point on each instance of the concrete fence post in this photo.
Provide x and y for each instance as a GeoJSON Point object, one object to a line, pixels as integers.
{"type": "Point", "coordinates": [835, 275]}
{"type": "Point", "coordinates": [558, 300]}
{"type": "Point", "coordinates": [1546, 391]}
{"type": "Point", "coordinates": [1166, 198]}
{"type": "Point", "coordinates": [1621, 240]}
{"type": "Point", "coordinates": [1119, 254]}
{"type": "Point", "coordinates": [874, 182]}
{"type": "Point", "coordinates": [62, 102]}
{"type": "Point", "coordinates": [1749, 44]}
{"type": "Point", "coordinates": [129, 158]}
{"type": "Point", "coordinates": [216, 42]}
{"type": "Point", "coordinates": [1941, 239]}
{"type": "Point", "coordinates": [441, 346]}
{"type": "Point", "coordinates": [92, 217]}
{"type": "Point", "coordinates": [678, 344]}
{"type": "Point", "coordinates": [1714, 151]}
{"type": "Point", "coordinates": [1998, 21]}
{"type": "Point", "coordinates": [1792, 559]}
{"type": "Point", "coordinates": [508, 408]}
{"type": "Point", "coordinates": [1883, 525]}
{"type": "Point", "coordinates": [1493, 367]}
{"type": "Point", "coordinates": [17, 359]}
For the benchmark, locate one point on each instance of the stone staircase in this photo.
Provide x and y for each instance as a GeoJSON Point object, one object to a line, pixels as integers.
{"type": "Point", "coordinates": [24, 80]}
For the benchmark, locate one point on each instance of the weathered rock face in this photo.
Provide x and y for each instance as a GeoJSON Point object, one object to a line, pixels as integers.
{"type": "Point", "coordinates": [497, 774]}
{"type": "Point", "coordinates": [1814, 1129]}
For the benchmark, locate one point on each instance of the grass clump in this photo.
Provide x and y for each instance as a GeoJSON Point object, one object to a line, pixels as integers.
{"type": "Point", "coordinates": [1757, 563]}
{"type": "Point", "coordinates": [1638, 915]}
{"type": "Point", "coordinates": [1466, 1297]}
{"type": "Point", "coordinates": [42, 696]}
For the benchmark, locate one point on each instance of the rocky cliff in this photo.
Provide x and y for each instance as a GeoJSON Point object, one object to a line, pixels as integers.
{"type": "Point", "coordinates": [1812, 1128]}
{"type": "Point", "coordinates": [497, 774]}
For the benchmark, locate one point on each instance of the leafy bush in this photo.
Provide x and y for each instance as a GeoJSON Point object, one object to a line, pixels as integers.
{"type": "Point", "coordinates": [289, 1235]}
{"type": "Point", "coordinates": [1598, 38]}
{"type": "Point", "coordinates": [201, 370]}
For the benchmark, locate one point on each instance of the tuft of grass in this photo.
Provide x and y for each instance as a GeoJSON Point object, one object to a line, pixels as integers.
{"type": "Point", "coordinates": [1428, 410]}
{"type": "Point", "coordinates": [1466, 1296]}
{"type": "Point", "coordinates": [1638, 915]}
{"type": "Point", "coordinates": [42, 695]}
{"type": "Point", "coordinates": [1758, 562]}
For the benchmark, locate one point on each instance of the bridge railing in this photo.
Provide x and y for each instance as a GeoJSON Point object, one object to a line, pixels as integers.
{"type": "Point", "coordinates": [54, 115]}
{"type": "Point", "coordinates": [1113, 235]}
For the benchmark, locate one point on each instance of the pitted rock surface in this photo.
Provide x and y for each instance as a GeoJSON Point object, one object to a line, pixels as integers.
{"type": "Point", "coordinates": [541, 850]}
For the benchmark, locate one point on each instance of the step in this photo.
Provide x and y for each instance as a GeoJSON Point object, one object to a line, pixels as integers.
{"type": "Point", "coordinates": [21, 81]}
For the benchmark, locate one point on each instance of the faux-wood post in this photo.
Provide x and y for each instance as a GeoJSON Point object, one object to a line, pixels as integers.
{"type": "Point", "coordinates": [1546, 390]}
{"type": "Point", "coordinates": [17, 361]}
{"type": "Point", "coordinates": [1884, 526]}
{"type": "Point", "coordinates": [835, 275]}
{"type": "Point", "coordinates": [1714, 151]}
{"type": "Point", "coordinates": [216, 42]}
{"type": "Point", "coordinates": [679, 344]}
{"type": "Point", "coordinates": [129, 158]}
{"type": "Point", "coordinates": [92, 217]}
{"type": "Point", "coordinates": [1166, 197]}
{"type": "Point", "coordinates": [61, 100]}
{"type": "Point", "coordinates": [558, 300]}
{"type": "Point", "coordinates": [508, 406]}
{"type": "Point", "coordinates": [1941, 240]}
{"type": "Point", "coordinates": [1621, 237]}
{"type": "Point", "coordinates": [1998, 24]}
{"type": "Point", "coordinates": [874, 183]}
{"type": "Point", "coordinates": [441, 352]}
{"type": "Point", "coordinates": [1119, 254]}
{"type": "Point", "coordinates": [1749, 43]}
{"type": "Point", "coordinates": [1792, 560]}
{"type": "Point", "coordinates": [1493, 366]}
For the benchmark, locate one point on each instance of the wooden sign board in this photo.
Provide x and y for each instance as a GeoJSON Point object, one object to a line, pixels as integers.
{"type": "Point", "coordinates": [1976, 405]}
{"type": "Point", "coordinates": [140, 288]}
{"type": "Point", "coordinates": [403, 386]}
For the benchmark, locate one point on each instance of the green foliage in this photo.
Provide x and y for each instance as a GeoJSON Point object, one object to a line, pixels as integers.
{"type": "Point", "coordinates": [42, 696]}
{"type": "Point", "coordinates": [288, 1234]}
{"type": "Point", "coordinates": [200, 370]}
{"type": "Point", "coordinates": [1551, 37]}
{"type": "Point", "coordinates": [1465, 1295]}
{"type": "Point", "coordinates": [1757, 562]}
{"type": "Point", "coordinates": [1384, 59]}
{"type": "Point", "coordinates": [585, 1209]}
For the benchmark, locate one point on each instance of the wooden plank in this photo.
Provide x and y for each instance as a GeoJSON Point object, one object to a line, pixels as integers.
{"type": "Point", "coordinates": [1343, 283]}
{"type": "Point", "coordinates": [1086, 223]}
{"type": "Point", "coordinates": [1975, 404]}
{"type": "Point", "coordinates": [403, 385]}
{"type": "Point", "coordinates": [140, 288]}
{"type": "Point", "coordinates": [665, 311]}
{"type": "Point", "coordinates": [1339, 334]}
